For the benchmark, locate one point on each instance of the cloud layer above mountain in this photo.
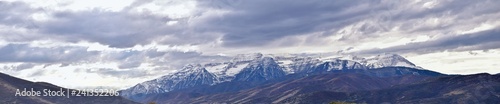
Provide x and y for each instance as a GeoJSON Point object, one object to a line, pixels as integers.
{"type": "Point", "coordinates": [154, 37]}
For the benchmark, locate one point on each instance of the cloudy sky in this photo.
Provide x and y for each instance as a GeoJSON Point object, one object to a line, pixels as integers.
{"type": "Point", "coordinates": [118, 43]}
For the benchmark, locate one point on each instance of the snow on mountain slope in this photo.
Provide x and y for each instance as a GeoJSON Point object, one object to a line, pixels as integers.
{"type": "Point", "coordinates": [259, 70]}
{"type": "Point", "coordinates": [208, 74]}
{"type": "Point", "coordinates": [189, 76]}
{"type": "Point", "coordinates": [285, 64]}
{"type": "Point", "coordinates": [216, 68]}
{"type": "Point", "coordinates": [235, 68]}
{"type": "Point", "coordinates": [331, 65]}
{"type": "Point", "coordinates": [226, 71]}
{"type": "Point", "coordinates": [338, 64]}
{"type": "Point", "coordinates": [296, 64]}
{"type": "Point", "coordinates": [385, 60]}
{"type": "Point", "coordinates": [259, 67]}
{"type": "Point", "coordinates": [252, 67]}
{"type": "Point", "coordinates": [381, 60]}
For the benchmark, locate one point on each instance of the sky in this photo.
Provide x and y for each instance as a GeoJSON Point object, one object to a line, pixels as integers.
{"type": "Point", "coordinates": [119, 43]}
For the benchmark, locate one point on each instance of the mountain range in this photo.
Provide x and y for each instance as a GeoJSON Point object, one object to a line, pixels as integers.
{"type": "Point", "coordinates": [258, 78]}
{"type": "Point", "coordinates": [258, 68]}
{"type": "Point", "coordinates": [452, 89]}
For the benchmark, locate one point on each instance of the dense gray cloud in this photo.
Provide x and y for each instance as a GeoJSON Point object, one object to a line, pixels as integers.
{"type": "Point", "coordinates": [113, 28]}
{"type": "Point", "coordinates": [128, 62]}
{"type": "Point", "coordinates": [26, 53]}
{"type": "Point", "coordinates": [19, 67]}
{"type": "Point", "coordinates": [174, 59]}
{"type": "Point", "coordinates": [16, 22]}
{"type": "Point", "coordinates": [116, 29]}
{"type": "Point", "coordinates": [65, 56]}
{"type": "Point", "coordinates": [131, 60]}
{"type": "Point", "coordinates": [16, 13]}
{"type": "Point", "coordinates": [249, 23]}
{"type": "Point", "coordinates": [258, 22]}
{"type": "Point", "coordinates": [489, 39]}
{"type": "Point", "coordinates": [180, 59]}
{"type": "Point", "coordinates": [244, 23]}
{"type": "Point", "coordinates": [127, 65]}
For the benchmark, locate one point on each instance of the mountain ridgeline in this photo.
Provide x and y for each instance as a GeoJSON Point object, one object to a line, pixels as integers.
{"type": "Point", "coordinates": [257, 78]}
{"type": "Point", "coordinates": [258, 68]}
{"type": "Point", "coordinates": [250, 71]}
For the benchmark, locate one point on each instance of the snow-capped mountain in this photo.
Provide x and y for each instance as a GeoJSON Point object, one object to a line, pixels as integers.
{"type": "Point", "coordinates": [309, 64]}
{"type": "Point", "coordinates": [226, 71]}
{"type": "Point", "coordinates": [189, 76]}
{"type": "Point", "coordinates": [258, 67]}
{"type": "Point", "coordinates": [335, 64]}
{"type": "Point", "coordinates": [293, 65]}
{"type": "Point", "coordinates": [385, 60]}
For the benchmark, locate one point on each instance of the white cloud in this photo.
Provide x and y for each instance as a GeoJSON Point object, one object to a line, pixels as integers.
{"type": "Point", "coordinates": [67, 65]}
{"type": "Point", "coordinates": [460, 62]}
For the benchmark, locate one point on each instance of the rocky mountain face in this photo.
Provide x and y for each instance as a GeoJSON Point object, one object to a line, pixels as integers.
{"type": "Point", "coordinates": [260, 70]}
{"type": "Point", "coordinates": [455, 89]}
{"type": "Point", "coordinates": [189, 76]}
{"type": "Point", "coordinates": [257, 78]}
{"type": "Point", "coordinates": [355, 88]}
{"type": "Point", "coordinates": [381, 60]}
{"type": "Point", "coordinates": [289, 89]}
{"type": "Point", "coordinates": [9, 86]}
{"type": "Point", "coordinates": [256, 68]}
{"type": "Point", "coordinates": [250, 70]}
{"type": "Point", "coordinates": [271, 90]}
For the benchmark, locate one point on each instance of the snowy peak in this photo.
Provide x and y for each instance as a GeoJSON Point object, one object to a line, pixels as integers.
{"type": "Point", "coordinates": [227, 70]}
{"type": "Point", "coordinates": [259, 70]}
{"type": "Point", "coordinates": [330, 65]}
{"type": "Point", "coordinates": [257, 67]}
{"type": "Point", "coordinates": [296, 65]}
{"type": "Point", "coordinates": [385, 60]}
{"type": "Point", "coordinates": [343, 65]}
{"type": "Point", "coordinates": [188, 76]}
